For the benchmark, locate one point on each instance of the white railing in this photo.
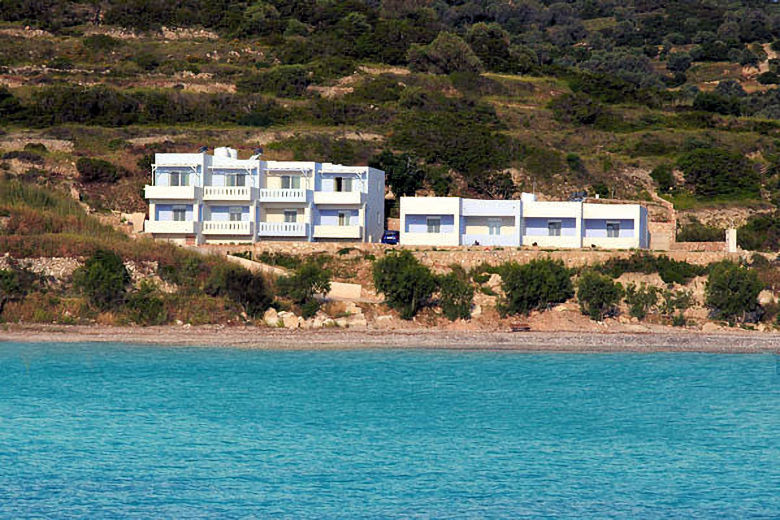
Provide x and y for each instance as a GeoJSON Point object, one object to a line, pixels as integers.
{"type": "Point", "coordinates": [337, 232]}
{"type": "Point", "coordinates": [282, 195]}
{"type": "Point", "coordinates": [281, 229]}
{"type": "Point", "coordinates": [227, 227]}
{"type": "Point", "coordinates": [171, 192]}
{"type": "Point", "coordinates": [227, 193]}
{"type": "Point", "coordinates": [176, 227]}
{"type": "Point", "coordinates": [338, 197]}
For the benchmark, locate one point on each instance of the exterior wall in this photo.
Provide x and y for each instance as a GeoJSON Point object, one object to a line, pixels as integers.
{"type": "Point", "coordinates": [597, 228]}
{"type": "Point", "coordinates": [481, 225]}
{"type": "Point", "coordinates": [375, 205]}
{"type": "Point", "coordinates": [276, 214]}
{"type": "Point", "coordinates": [539, 226]}
{"type": "Point", "coordinates": [330, 217]}
{"type": "Point", "coordinates": [414, 228]}
{"type": "Point", "coordinates": [629, 216]}
{"type": "Point", "coordinates": [222, 213]}
{"type": "Point", "coordinates": [164, 212]}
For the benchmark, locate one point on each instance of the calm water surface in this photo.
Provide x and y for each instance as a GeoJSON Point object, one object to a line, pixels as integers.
{"type": "Point", "coordinates": [116, 431]}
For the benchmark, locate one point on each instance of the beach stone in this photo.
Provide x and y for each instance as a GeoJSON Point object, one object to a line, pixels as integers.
{"type": "Point", "coordinates": [342, 322]}
{"type": "Point", "coordinates": [710, 327]}
{"type": "Point", "coordinates": [271, 317]}
{"type": "Point", "coordinates": [289, 320]}
{"type": "Point", "coordinates": [352, 308]}
{"type": "Point", "coordinates": [329, 322]}
{"type": "Point", "coordinates": [494, 282]}
{"type": "Point", "coordinates": [357, 322]}
{"type": "Point", "coordinates": [765, 297]}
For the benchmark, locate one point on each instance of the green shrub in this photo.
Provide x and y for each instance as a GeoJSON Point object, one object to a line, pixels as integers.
{"type": "Point", "coordinates": [641, 300]}
{"type": "Point", "coordinates": [247, 289]}
{"type": "Point", "coordinates": [96, 170]}
{"type": "Point", "coordinates": [598, 295]}
{"type": "Point", "coordinates": [732, 292]}
{"type": "Point", "coordinates": [576, 108]}
{"type": "Point", "coordinates": [281, 259]}
{"type": "Point", "coordinates": [99, 42]}
{"type": "Point", "coordinates": [711, 172]}
{"type": "Point", "coordinates": [679, 300]}
{"type": "Point", "coordinates": [283, 81]}
{"type": "Point", "coordinates": [663, 177]}
{"type": "Point", "coordinates": [402, 173]}
{"type": "Point", "coordinates": [760, 233]}
{"type": "Point", "coordinates": [145, 306]}
{"type": "Point", "coordinates": [308, 281]}
{"type": "Point", "coordinates": [695, 231]}
{"type": "Point", "coordinates": [535, 285]}
{"type": "Point", "coordinates": [456, 294]}
{"type": "Point", "coordinates": [670, 271]}
{"type": "Point", "coordinates": [103, 279]}
{"type": "Point", "coordinates": [405, 282]}
{"type": "Point", "coordinates": [446, 54]}
{"type": "Point", "coordinates": [15, 283]}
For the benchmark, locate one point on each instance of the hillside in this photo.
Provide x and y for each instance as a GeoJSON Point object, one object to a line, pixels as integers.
{"type": "Point", "coordinates": [483, 99]}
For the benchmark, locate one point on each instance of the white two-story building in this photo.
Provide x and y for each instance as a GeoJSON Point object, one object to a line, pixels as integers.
{"type": "Point", "coordinates": [452, 221]}
{"type": "Point", "coordinates": [202, 198]}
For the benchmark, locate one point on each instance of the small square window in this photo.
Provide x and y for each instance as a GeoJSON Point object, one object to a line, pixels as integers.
{"type": "Point", "coordinates": [613, 229]}
{"type": "Point", "coordinates": [180, 213]}
{"type": "Point", "coordinates": [343, 218]}
{"type": "Point", "coordinates": [235, 214]}
{"type": "Point", "coordinates": [290, 215]}
{"type": "Point", "coordinates": [494, 226]}
{"type": "Point", "coordinates": [554, 228]}
{"type": "Point", "coordinates": [434, 224]}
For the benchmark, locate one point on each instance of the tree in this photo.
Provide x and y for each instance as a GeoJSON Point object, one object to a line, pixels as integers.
{"type": "Point", "coordinates": [490, 42]}
{"type": "Point", "coordinates": [678, 61]}
{"type": "Point", "coordinates": [535, 285]}
{"type": "Point", "coordinates": [402, 174]}
{"type": "Point", "coordinates": [308, 281]}
{"type": "Point", "coordinates": [103, 279]}
{"type": "Point", "coordinates": [732, 292]}
{"type": "Point", "coordinates": [456, 294]}
{"type": "Point", "coordinates": [760, 233]}
{"type": "Point", "coordinates": [405, 282]}
{"type": "Point", "coordinates": [598, 295]}
{"type": "Point", "coordinates": [446, 54]}
{"type": "Point", "coordinates": [145, 305]}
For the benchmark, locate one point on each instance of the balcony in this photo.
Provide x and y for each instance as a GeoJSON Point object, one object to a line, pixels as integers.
{"type": "Point", "coordinates": [338, 197]}
{"type": "Point", "coordinates": [171, 192]}
{"type": "Point", "coordinates": [171, 227]}
{"type": "Point", "coordinates": [351, 232]}
{"type": "Point", "coordinates": [227, 227]}
{"type": "Point", "coordinates": [281, 229]}
{"type": "Point", "coordinates": [282, 195]}
{"type": "Point", "coordinates": [228, 193]}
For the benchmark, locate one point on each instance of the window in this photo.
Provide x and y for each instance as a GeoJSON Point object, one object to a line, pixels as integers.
{"type": "Point", "coordinates": [343, 218]}
{"type": "Point", "coordinates": [235, 214]}
{"type": "Point", "coordinates": [290, 215]}
{"type": "Point", "coordinates": [554, 228]}
{"type": "Point", "coordinates": [291, 182]}
{"type": "Point", "coordinates": [342, 184]}
{"type": "Point", "coordinates": [494, 226]}
{"type": "Point", "coordinates": [613, 229]}
{"type": "Point", "coordinates": [434, 224]}
{"type": "Point", "coordinates": [238, 179]}
{"type": "Point", "coordinates": [180, 213]}
{"type": "Point", "coordinates": [178, 179]}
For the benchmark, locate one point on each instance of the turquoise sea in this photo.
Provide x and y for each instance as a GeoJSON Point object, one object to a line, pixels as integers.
{"type": "Point", "coordinates": [120, 431]}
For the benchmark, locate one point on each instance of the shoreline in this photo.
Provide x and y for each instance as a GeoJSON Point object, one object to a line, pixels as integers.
{"type": "Point", "coordinates": [261, 338]}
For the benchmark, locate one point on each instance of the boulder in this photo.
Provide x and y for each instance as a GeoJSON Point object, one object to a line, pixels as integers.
{"type": "Point", "coordinates": [494, 282]}
{"type": "Point", "coordinates": [476, 312]}
{"type": "Point", "coordinates": [765, 297]}
{"type": "Point", "coordinates": [289, 320]}
{"type": "Point", "coordinates": [710, 327]}
{"type": "Point", "coordinates": [271, 317]}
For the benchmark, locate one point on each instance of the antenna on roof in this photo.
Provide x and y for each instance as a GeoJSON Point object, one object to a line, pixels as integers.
{"type": "Point", "coordinates": [203, 149]}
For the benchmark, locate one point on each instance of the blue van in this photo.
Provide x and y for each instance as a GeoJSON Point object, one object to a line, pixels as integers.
{"type": "Point", "coordinates": [391, 237]}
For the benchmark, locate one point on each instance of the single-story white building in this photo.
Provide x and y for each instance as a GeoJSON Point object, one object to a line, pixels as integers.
{"type": "Point", "coordinates": [452, 221]}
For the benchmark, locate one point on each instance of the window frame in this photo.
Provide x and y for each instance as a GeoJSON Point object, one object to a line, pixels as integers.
{"type": "Point", "coordinates": [613, 228]}
{"type": "Point", "coordinates": [554, 225]}
{"type": "Point", "coordinates": [344, 222]}
{"type": "Point", "coordinates": [179, 210]}
{"type": "Point", "coordinates": [433, 225]}
{"type": "Point", "coordinates": [232, 212]}
{"type": "Point", "coordinates": [294, 213]}
{"type": "Point", "coordinates": [495, 224]}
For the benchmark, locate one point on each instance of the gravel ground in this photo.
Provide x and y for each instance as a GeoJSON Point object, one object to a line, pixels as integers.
{"type": "Point", "coordinates": [264, 338]}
